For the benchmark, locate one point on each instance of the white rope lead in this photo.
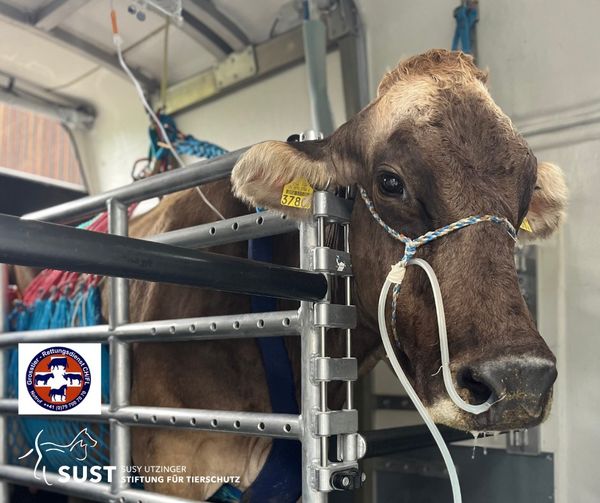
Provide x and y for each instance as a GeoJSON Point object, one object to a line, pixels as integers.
{"type": "Point", "coordinates": [435, 432]}
{"type": "Point", "coordinates": [395, 276]}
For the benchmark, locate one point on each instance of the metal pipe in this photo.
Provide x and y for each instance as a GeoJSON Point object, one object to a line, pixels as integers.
{"type": "Point", "coordinates": [323, 352]}
{"type": "Point", "coordinates": [98, 333]}
{"type": "Point", "coordinates": [246, 423]}
{"type": "Point", "coordinates": [310, 347]}
{"type": "Point", "coordinates": [4, 310]}
{"type": "Point", "coordinates": [277, 323]}
{"type": "Point", "coordinates": [70, 117]}
{"type": "Point", "coordinates": [314, 34]}
{"type": "Point", "coordinates": [84, 489]}
{"type": "Point", "coordinates": [166, 183]}
{"type": "Point", "coordinates": [272, 324]}
{"type": "Point", "coordinates": [393, 440]}
{"type": "Point", "coordinates": [120, 369]}
{"type": "Point", "coordinates": [260, 424]}
{"type": "Point", "coordinates": [348, 299]}
{"type": "Point", "coordinates": [232, 230]}
{"type": "Point", "coordinates": [79, 250]}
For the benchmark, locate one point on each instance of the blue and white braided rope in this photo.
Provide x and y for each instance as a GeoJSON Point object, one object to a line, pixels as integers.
{"type": "Point", "coordinates": [411, 245]}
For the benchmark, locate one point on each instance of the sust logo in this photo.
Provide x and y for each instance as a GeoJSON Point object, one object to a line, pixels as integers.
{"type": "Point", "coordinates": [59, 379]}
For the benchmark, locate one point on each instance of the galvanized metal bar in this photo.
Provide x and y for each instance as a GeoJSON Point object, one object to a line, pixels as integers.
{"type": "Point", "coordinates": [259, 424]}
{"type": "Point", "coordinates": [315, 51]}
{"type": "Point", "coordinates": [25, 476]}
{"type": "Point", "coordinates": [271, 324]}
{"type": "Point", "coordinates": [166, 183]}
{"type": "Point", "coordinates": [78, 250]}
{"type": "Point", "coordinates": [4, 310]}
{"type": "Point", "coordinates": [70, 116]}
{"type": "Point", "coordinates": [239, 326]}
{"type": "Point", "coordinates": [310, 391]}
{"type": "Point", "coordinates": [98, 333]}
{"type": "Point", "coordinates": [232, 230]}
{"type": "Point", "coordinates": [86, 490]}
{"type": "Point", "coordinates": [244, 423]}
{"type": "Point", "coordinates": [348, 299]}
{"type": "Point", "coordinates": [323, 352]}
{"type": "Point", "coordinates": [120, 380]}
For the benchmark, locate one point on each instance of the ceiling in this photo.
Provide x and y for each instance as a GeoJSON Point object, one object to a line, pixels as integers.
{"type": "Point", "coordinates": [53, 43]}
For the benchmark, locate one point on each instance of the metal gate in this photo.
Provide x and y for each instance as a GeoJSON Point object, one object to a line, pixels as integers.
{"type": "Point", "coordinates": [172, 257]}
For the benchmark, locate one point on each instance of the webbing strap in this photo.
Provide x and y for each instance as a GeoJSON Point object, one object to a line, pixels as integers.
{"type": "Point", "coordinates": [280, 480]}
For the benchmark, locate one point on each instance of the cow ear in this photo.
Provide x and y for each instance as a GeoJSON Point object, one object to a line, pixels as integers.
{"type": "Point", "coordinates": [260, 175]}
{"type": "Point", "coordinates": [547, 209]}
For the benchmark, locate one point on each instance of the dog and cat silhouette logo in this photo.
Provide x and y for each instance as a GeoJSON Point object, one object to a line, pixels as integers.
{"type": "Point", "coordinates": [58, 379]}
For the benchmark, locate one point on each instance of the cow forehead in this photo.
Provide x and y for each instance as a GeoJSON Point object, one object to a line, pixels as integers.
{"type": "Point", "coordinates": [462, 116]}
{"type": "Point", "coordinates": [456, 134]}
{"type": "Point", "coordinates": [420, 98]}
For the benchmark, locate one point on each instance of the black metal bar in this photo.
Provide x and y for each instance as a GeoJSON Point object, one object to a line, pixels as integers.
{"type": "Point", "coordinates": [41, 244]}
{"type": "Point", "coordinates": [407, 438]}
{"type": "Point", "coordinates": [158, 185]}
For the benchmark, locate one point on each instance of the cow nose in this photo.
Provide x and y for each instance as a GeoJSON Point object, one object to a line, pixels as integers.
{"type": "Point", "coordinates": [522, 381]}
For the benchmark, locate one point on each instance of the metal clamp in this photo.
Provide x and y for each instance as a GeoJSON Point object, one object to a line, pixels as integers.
{"type": "Point", "coordinates": [335, 315]}
{"type": "Point", "coordinates": [337, 477]}
{"type": "Point", "coordinates": [333, 208]}
{"type": "Point", "coordinates": [351, 447]}
{"type": "Point", "coordinates": [335, 369]}
{"type": "Point", "coordinates": [335, 422]}
{"type": "Point", "coordinates": [332, 261]}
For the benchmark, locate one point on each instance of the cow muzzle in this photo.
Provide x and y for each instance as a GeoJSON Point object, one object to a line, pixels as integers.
{"type": "Point", "coordinates": [521, 389]}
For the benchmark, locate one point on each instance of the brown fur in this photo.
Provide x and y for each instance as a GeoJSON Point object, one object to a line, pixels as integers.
{"type": "Point", "coordinates": [435, 125]}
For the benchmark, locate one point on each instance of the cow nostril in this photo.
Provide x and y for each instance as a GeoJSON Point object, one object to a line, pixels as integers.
{"type": "Point", "coordinates": [479, 390]}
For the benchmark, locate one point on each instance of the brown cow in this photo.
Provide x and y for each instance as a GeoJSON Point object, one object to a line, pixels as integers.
{"type": "Point", "coordinates": [432, 148]}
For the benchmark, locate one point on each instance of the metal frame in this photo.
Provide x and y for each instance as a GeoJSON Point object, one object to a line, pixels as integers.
{"type": "Point", "coordinates": [316, 424]}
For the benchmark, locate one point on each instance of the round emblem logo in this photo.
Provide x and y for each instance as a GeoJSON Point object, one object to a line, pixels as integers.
{"type": "Point", "coordinates": [58, 378]}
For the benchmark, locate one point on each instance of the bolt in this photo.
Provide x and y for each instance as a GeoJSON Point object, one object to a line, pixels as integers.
{"type": "Point", "coordinates": [345, 481]}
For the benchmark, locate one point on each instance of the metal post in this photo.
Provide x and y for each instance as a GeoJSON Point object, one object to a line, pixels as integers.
{"type": "Point", "coordinates": [348, 299]}
{"type": "Point", "coordinates": [120, 380]}
{"type": "Point", "coordinates": [315, 52]}
{"type": "Point", "coordinates": [323, 352]}
{"type": "Point", "coordinates": [311, 446]}
{"type": "Point", "coordinates": [4, 309]}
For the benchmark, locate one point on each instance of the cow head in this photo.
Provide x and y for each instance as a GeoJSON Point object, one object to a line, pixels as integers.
{"type": "Point", "coordinates": [432, 148]}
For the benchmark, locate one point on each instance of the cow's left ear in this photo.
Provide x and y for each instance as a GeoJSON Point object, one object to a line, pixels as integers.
{"type": "Point", "coordinates": [260, 175]}
{"type": "Point", "coordinates": [547, 209]}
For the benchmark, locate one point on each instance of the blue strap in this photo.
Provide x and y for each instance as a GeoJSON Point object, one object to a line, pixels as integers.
{"type": "Point", "coordinates": [466, 17]}
{"type": "Point", "coordinates": [280, 480]}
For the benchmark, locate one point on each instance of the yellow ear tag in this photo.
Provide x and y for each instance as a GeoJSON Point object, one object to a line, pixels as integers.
{"type": "Point", "coordinates": [297, 194]}
{"type": "Point", "coordinates": [525, 225]}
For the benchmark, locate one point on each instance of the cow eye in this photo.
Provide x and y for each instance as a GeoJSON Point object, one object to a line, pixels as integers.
{"type": "Point", "coordinates": [391, 184]}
